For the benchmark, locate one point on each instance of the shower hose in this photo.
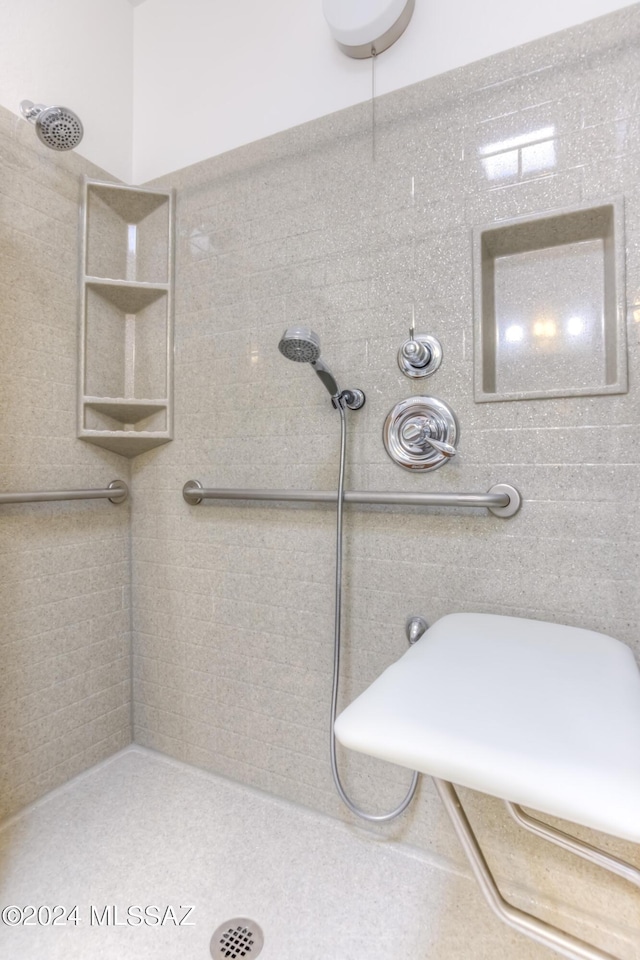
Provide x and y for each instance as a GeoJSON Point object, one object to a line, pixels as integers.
{"type": "Point", "coordinates": [375, 818]}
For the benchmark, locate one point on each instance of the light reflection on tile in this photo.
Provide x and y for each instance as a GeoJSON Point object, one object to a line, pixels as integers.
{"type": "Point", "coordinates": [523, 155]}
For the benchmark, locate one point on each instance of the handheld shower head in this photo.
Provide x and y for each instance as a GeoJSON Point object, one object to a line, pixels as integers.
{"type": "Point", "coordinates": [58, 127]}
{"type": "Point", "coordinates": [303, 346]}
{"type": "Point", "coordinates": [300, 344]}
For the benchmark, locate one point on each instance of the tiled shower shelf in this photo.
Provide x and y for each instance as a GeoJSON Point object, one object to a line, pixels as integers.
{"type": "Point", "coordinates": [127, 295]}
{"type": "Point", "coordinates": [128, 232]}
{"type": "Point", "coordinates": [125, 410]}
{"type": "Point", "coordinates": [549, 305]}
{"type": "Point", "coordinates": [125, 425]}
{"type": "Point", "coordinates": [126, 443]}
{"type": "Point", "coordinates": [125, 393]}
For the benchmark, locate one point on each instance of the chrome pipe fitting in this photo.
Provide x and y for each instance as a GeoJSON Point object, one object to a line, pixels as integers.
{"type": "Point", "coordinates": [414, 628]}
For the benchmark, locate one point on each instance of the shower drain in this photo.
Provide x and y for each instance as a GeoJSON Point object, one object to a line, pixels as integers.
{"type": "Point", "coordinates": [239, 937]}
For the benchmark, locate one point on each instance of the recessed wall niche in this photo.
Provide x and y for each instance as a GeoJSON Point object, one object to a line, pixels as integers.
{"type": "Point", "coordinates": [549, 305]}
{"type": "Point", "coordinates": [126, 328]}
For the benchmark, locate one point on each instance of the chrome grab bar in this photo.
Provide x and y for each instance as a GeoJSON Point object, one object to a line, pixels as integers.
{"type": "Point", "coordinates": [116, 492]}
{"type": "Point", "coordinates": [502, 499]}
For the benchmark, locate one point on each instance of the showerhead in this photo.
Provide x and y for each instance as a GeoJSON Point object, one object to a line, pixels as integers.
{"type": "Point", "coordinates": [303, 346]}
{"type": "Point", "coordinates": [300, 344]}
{"type": "Point", "coordinates": [58, 127]}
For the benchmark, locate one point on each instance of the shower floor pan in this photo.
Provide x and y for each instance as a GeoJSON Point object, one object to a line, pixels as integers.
{"type": "Point", "coordinates": [143, 831]}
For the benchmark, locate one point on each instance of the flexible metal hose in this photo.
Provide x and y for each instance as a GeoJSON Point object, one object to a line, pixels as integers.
{"type": "Point", "coordinates": [381, 817]}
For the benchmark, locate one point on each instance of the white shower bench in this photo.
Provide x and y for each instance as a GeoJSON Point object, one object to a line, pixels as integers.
{"type": "Point", "coordinates": [538, 714]}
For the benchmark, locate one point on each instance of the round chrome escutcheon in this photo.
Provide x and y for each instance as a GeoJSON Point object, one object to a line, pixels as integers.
{"type": "Point", "coordinates": [410, 427]}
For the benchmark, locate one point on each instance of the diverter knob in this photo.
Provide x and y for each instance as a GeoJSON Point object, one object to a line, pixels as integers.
{"type": "Point", "coordinates": [420, 355]}
{"type": "Point", "coordinates": [416, 353]}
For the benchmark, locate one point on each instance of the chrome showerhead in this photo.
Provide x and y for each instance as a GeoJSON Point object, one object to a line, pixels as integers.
{"type": "Point", "coordinates": [300, 344]}
{"type": "Point", "coordinates": [303, 346]}
{"type": "Point", "coordinates": [58, 127]}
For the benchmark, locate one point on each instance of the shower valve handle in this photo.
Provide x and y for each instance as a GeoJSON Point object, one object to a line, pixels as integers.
{"type": "Point", "coordinates": [418, 433]}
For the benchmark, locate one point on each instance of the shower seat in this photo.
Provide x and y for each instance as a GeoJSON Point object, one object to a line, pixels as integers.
{"type": "Point", "coordinates": [538, 714]}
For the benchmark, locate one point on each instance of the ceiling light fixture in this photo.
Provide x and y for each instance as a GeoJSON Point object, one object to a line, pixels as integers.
{"type": "Point", "coordinates": [364, 28]}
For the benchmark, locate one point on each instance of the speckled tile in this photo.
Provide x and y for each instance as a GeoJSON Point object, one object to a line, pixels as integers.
{"type": "Point", "coordinates": [65, 699]}
{"type": "Point", "coordinates": [233, 602]}
{"type": "Point", "coordinates": [118, 836]}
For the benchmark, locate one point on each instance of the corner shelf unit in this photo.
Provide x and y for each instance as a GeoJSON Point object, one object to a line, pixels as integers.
{"type": "Point", "coordinates": [125, 394]}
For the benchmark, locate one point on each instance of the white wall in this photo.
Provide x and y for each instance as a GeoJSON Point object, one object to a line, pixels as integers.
{"type": "Point", "coordinates": [78, 53]}
{"type": "Point", "coordinates": [161, 84]}
{"type": "Point", "coordinates": [210, 75]}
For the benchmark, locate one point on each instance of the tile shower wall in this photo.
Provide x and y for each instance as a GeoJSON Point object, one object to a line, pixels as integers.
{"type": "Point", "coordinates": [64, 567]}
{"type": "Point", "coordinates": [342, 225]}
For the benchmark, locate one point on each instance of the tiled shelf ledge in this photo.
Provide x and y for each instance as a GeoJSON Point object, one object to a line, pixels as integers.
{"type": "Point", "coordinates": [128, 295]}
{"type": "Point", "coordinates": [126, 342]}
{"type": "Point", "coordinates": [125, 425]}
{"type": "Point", "coordinates": [124, 409]}
{"type": "Point", "coordinates": [126, 443]}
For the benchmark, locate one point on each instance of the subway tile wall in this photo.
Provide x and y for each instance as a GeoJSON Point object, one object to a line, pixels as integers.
{"type": "Point", "coordinates": [64, 567]}
{"type": "Point", "coordinates": [342, 225]}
